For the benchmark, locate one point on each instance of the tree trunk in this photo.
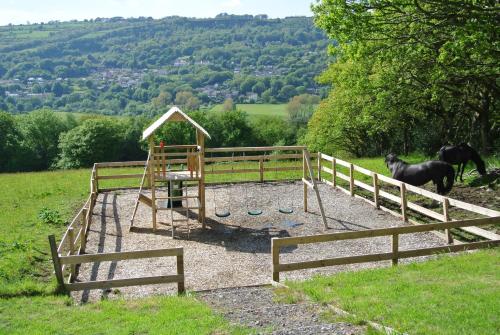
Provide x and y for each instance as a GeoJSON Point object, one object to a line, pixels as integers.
{"type": "Point", "coordinates": [484, 123]}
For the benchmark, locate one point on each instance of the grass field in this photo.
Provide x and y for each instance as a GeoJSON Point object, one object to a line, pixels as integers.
{"type": "Point", "coordinates": [450, 295]}
{"type": "Point", "coordinates": [156, 315]}
{"type": "Point", "coordinates": [258, 110]}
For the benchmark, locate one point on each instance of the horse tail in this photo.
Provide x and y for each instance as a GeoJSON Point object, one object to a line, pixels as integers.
{"type": "Point", "coordinates": [480, 165]}
{"type": "Point", "coordinates": [450, 178]}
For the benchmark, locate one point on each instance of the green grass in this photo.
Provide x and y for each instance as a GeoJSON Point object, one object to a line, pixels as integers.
{"type": "Point", "coordinates": [155, 315]}
{"type": "Point", "coordinates": [449, 295]}
{"type": "Point", "coordinates": [25, 261]}
{"type": "Point", "coordinates": [259, 110]}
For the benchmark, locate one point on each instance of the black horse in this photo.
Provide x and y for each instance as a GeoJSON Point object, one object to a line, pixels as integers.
{"type": "Point", "coordinates": [419, 174]}
{"type": "Point", "coordinates": [461, 154]}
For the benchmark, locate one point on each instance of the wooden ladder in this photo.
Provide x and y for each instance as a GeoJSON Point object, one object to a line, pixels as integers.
{"type": "Point", "coordinates": [141, 197]}
{"type": "Point", "coordinates": [312, 184]}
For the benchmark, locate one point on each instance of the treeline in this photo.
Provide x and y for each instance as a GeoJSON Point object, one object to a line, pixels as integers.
{"type": "Point", "coordinates": [118, 66]}
{"type": "Point", "coordinates": [44, 139]}
{"type": "Point", "coordinates": [409, 76]}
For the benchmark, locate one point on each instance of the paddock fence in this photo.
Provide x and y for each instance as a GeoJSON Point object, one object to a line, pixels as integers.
{"type": "Point", "coordinates": [331, 165]}
{"type": "Point", "coordinates": [394, 255]}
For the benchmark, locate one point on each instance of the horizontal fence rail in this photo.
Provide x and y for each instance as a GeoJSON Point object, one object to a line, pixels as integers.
{"type": "Point", "coordinates": [73, 260]}
{"type": "Point", "coordinates": [394, 255]}
{"type": "Point", "coordinates": [400, 200]}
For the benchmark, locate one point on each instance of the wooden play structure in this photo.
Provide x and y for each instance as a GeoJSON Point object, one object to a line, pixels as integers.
{"type": "Point", "coordinates": [165, 167]}
{"type": "Point", "coordinates": [159, 171]}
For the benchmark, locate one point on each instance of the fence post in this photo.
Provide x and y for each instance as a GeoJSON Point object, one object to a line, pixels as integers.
{"type": "Point", "coordinates": [319, 166]}
{"type": "Point", "coordinates": [261, 169]}
{"type": "Point", "coordinates": [403, 202]}
{"type": "Point", "coordinates": [275, 252]}
{"type": "Point", "coordinates": [83, 235]}
{"type": "Point", "coordinates": [446, 214]}
{"type": "Point", "coordinates": [180, 271]}
{"type": "Point", "coordinates": [96, 178]}
{"type": "Point", "coordinates": [304, 175]}
{"type": "Point", "coordinates": [395, 247]}
{"type": "Point", "coordinates": [56, 261]}
{"type": "Point", "coordinates": [72, 268]}
{"type": "Point", "coordinates": [334, 172]}
{"type": "Point", "coordinates": [375, 190]}
{"type": "Point", "coordinates": [351, 179]}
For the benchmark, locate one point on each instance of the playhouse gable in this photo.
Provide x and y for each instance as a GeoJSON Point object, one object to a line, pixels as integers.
{"type": "Point", "coordinates": [173, 115]}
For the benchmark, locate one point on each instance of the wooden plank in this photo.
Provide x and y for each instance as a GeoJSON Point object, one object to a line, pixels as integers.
{"type": "Point", "coordinates": [102, 284]}
{"type": "Point", "coordinates": [252, 149]}
{"type": "Point", "coordinates": [334, 172]}
{"type": "Point", "coordinates": [307, 159]}
{"type": "Point", "coordinates": [284, 241]}
{"type": "Point", "coordinates": [385, 256]}
{"type": "Point", "coordinates": [261, 170]}
{"type": "Point", "coordinates": [446, 217]}
{"type": "Point", "coordinates": [232, 171]}
{"type": "Point", "coordinates": [120, 176]}
{"type": "Point", "coordinates": [375, 190]}
{"type": "Point", "coordinates": [390, 196]}
{"type": "Point", "coordinates": [120, 256]}
{"type": "Point", "coordinates": [327, 170]}
{"type": "Point", "coordinates": [327, 157]}
{"type": "Point", "coordinates": [343, 163]}
{"type": "Point", "coordinates": [473, 208]}
{"type": "Point", "coordinates": [363, 185]}
{"type": "Point", "coordinates": [351, 179]}
{"type": "Point", "coordinates": [252, 158]}
{"type": "Point", "coordinates": [120, 164]}
{"type": "Point", "coordinates": [424, 193]}
{"type": "Point", "coordinates": [395, 249]}
{"type": "Point", "coordinates": [481, 232]}
{"type": "Point", "coordinates": [389, 180]}
{"type": "Point", "coordinates": [363, 170]}
{"type": "Point", "coordinates": [308, 183]}
{"type": "Point", "coordinates": [56, 261]}
{"type": "Point", "coordinates": [343, 176]}
{"type": "Point", "coordinates": [287, 168]}
{"type": "Point", "coordinates": [425, 211]}
{"type": "Point", "coordinates": [180, 273]}
{"type": "Point", "coordinates": [72, 268]}
{"type": "Point", "coordinates": [275, 252]}
{"type": "Point", "coordinates": [404, 204]}
{"type": "Point", "coordinates": [145, 200]}
{"type": "Point", "coordinates": [319, 165]}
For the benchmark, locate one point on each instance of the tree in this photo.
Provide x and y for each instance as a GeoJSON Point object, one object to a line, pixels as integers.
{"type": "Point", "coordinates": [300, 108]}
{"type": "Point", "coordinates": [95, 140]}
{"type": "Point", "coordinates": [57, 89]}
{"type": "Point", "coordinates": [40, 130]}
{"type": "Point", "coordinates": [9, 140]}
{"type": "Point", "coordinates": [186, 100]}
{"type": "Point", "coordinates": [433, 63]}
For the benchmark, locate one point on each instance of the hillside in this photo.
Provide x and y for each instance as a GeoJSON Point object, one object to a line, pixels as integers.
{"type": "Point", "coordinates": [133, 66]}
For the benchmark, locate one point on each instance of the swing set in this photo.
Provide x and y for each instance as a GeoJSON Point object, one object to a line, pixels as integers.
{"type": "Point", "coordinates": [178, 166]}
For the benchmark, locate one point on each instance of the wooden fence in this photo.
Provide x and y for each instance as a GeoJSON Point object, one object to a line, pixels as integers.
{"type": "Point", "coordinates": [401, 200]}
{"type": "Point", "coordinates": [74, 260]}
{"type": "Point", "coordinates": [394, 255]}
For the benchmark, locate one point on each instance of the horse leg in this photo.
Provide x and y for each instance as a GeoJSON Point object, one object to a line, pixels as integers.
{"type": "Point", "coordinates": [462, 173]}
{"type": "Point", "coordinates": [458, 171]}
{"type": "Point", "coordinates": [440, 186]}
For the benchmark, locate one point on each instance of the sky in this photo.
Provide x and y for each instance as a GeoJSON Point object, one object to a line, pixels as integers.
{"type": "Point", "coordinates": [36, 11]}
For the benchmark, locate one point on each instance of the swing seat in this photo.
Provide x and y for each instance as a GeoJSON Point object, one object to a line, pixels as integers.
{"type": "Point", "coordinates": [223, 214]}
{"type": "Point", "coordinates": [255, 212]}
{"type": "Point", "coordinates": [285, 210]}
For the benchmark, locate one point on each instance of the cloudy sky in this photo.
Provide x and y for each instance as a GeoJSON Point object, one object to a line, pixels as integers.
{"type": "Point", "coordinates": [22, 11]}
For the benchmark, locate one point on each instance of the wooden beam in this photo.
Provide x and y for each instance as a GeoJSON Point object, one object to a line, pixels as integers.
{"type": "Point", "coordinates": [56, 261]}
{"type": "Point", "coordinates": [120, 256]}
{"type": "Point", "coordinates": [103, 284]}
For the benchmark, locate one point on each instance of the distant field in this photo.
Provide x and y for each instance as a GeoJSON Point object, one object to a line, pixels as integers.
{"type": "Point", "coordinates": [258, 110]}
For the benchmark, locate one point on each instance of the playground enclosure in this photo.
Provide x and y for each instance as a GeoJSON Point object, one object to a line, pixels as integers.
{"type": "Point", "coordinates": [171, 172]}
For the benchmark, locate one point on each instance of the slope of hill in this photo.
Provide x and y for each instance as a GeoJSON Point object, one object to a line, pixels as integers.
{"type": "Point", "coordinates": [121, 65]}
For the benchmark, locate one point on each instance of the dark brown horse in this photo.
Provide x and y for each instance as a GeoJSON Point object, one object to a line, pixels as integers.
{"type": "Point", "coordinates": [420, 174]}
{"type": "Point", "coordinates": [461, 154]}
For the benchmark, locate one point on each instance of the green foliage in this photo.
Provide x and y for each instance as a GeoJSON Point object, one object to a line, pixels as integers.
{"type": "Point", "coordinates": [408, 75]}
{"type": "Point", "coordinates": [50, 216]}
{"type": "Point", "coordinates": [9, 139]}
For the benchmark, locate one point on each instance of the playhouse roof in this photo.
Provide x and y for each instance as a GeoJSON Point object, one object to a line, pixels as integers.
{"type": "Point", "coordinates": [174, 114]}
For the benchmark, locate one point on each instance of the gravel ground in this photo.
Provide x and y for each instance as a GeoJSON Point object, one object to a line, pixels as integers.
{"type": "Point", "coordinates": [234, 251]}
{"type": "Point", "coordinates": [255, 307]}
